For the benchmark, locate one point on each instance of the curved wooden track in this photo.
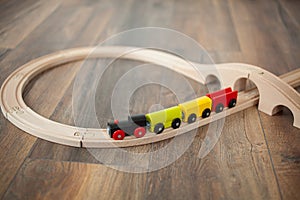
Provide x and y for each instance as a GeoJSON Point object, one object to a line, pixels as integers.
{"type": "Point", "coordinates": [273, 92]}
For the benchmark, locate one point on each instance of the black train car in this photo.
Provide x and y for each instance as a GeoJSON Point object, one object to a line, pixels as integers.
{"type": "Point", "coordinates": [135, 125]}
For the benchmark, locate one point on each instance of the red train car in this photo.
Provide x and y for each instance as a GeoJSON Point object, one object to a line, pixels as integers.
{"type": "Point", "coordinates": [223, 98]}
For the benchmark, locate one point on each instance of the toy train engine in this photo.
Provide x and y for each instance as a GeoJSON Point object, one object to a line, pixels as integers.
{"type": "Point", "coordinates": [223, 98]}
{"type": "Point", "coordinates": [135, 125]}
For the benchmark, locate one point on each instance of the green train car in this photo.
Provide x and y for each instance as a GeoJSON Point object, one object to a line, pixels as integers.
{"type": "Point", "coordinates": [158, 121]}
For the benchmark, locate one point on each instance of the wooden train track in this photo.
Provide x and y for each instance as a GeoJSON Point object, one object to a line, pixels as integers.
{"type": "Point", "coordinates": [268, 85]}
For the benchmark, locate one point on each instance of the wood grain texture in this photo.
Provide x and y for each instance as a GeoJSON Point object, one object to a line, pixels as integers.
{"type": "Point", "coordinates": [20, 18]}
{"type": "Point", "coordinates": [244, 169]}
{"type": "Point", "coordinates": [56, 179]}
{"type": "Point", "coordinates": [257, 156]}
{"type": "Point", "coordinates": [284, 149]}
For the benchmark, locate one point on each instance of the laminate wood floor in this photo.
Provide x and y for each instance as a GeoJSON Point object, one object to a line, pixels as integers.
{"type": "Point", "coordinates": [256, 156]}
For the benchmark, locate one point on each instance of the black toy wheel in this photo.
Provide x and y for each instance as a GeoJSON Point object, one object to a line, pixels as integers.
{"type": "Point", "coordinates": [176, 123]}
{"type": "Point", "coordinates": [192, 118]}
{"type": "Point", "coordinates": [206, 113]}
{"type": "Point", "coordinates": [232, 103]}
{"type": "Point", "coordinates": [159, 128]}
{"type": "Point", "coordinates": [219, 108]}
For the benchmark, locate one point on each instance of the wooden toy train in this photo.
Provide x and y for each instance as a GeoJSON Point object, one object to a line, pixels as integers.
{"type": "Point", "coordinates": [172, 117]}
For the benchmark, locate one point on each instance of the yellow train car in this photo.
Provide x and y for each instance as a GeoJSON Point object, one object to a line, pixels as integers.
{"type": "Point", "coordinates": [196, 108]}
{"type": "Point", "coordinates": [158, 121]}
